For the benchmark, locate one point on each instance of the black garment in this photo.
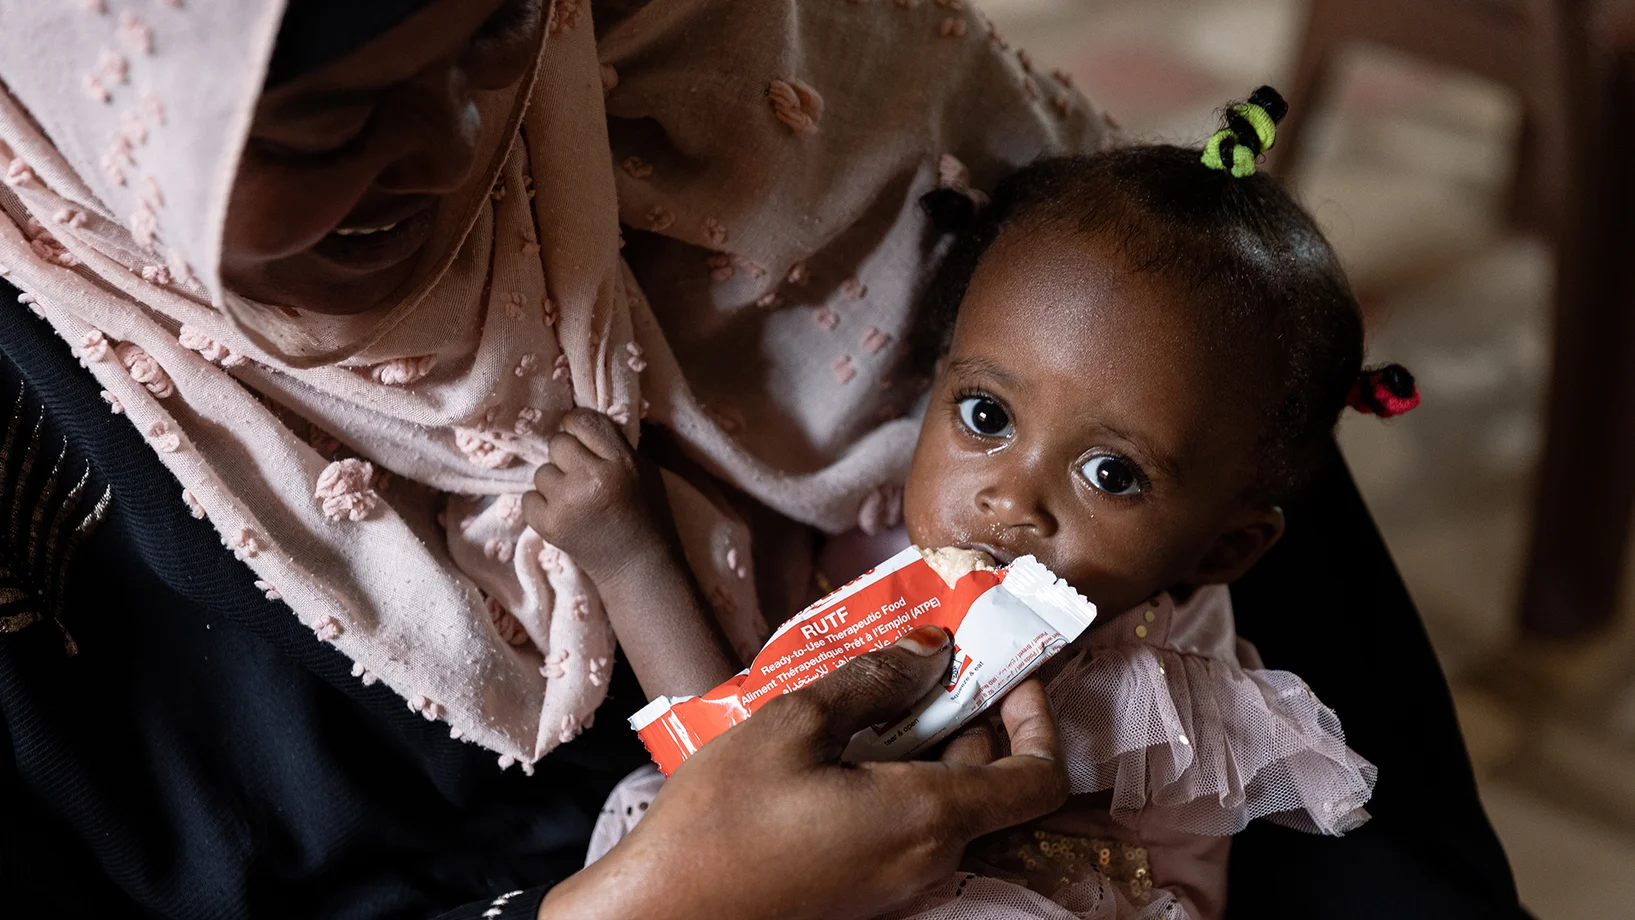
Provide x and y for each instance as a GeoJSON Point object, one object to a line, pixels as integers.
{"type": "Point", "coordinates": [1327, 604]}
{"type": "Point", "coordinates": [204, 755]}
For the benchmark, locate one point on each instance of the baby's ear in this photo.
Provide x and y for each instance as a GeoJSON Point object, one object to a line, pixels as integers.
{"type": "Point", "coordinates": [1247, 537]}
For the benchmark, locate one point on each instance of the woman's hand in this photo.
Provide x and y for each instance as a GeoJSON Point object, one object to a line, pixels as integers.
{"type": "Point", "coordinates": [765, 821]}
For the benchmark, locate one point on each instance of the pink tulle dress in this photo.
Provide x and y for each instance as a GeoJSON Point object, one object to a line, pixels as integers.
{"type": "Point", "coordinates": [1175, 737]}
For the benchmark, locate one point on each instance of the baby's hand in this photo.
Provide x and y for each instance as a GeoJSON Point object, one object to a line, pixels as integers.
{"type": "Point", "coordinates": [590, 500]}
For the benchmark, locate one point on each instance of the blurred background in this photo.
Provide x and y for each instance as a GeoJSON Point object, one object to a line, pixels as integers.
{"type": "Point", "coordinates": [1450, 196]}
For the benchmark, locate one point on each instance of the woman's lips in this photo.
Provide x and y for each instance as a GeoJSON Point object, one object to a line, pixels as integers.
{"type": "Point", "coordinates": [365, 248]}
{"type": "Point", "coordinates": [364, 231]}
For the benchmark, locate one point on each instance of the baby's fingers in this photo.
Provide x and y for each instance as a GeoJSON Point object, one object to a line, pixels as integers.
{"type": "Point", "coordinates": [533, 511]}
{"type": "Point", "coordinates": [597, 432]}
{"type": "Point", "coordinates": [569, 454]}
{"type": "Point", "coordinates": [548, 478]}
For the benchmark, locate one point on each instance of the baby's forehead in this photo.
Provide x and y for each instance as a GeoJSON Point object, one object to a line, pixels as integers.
{"type": "Point", "coordinates": [1073, 297]}
{"type": "Point", "coordinates": [1084, 338]}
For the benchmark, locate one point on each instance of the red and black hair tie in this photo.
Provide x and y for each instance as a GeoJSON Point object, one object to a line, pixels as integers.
{"type": "Point", "coordinates": [1384, 391]}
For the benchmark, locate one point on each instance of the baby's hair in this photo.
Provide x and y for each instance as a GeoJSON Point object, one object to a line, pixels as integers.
{"type": "Point", "coordinates": [1268, 286]}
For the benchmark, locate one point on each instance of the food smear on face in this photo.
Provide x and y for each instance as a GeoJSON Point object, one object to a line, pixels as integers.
{"type": "Point", "coordinates": [955, 562]}
{"type": "Point", "coordinates": [1006, 622]}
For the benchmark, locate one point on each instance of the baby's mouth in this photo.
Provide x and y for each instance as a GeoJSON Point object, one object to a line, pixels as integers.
{"type": "Point", "coordinates": [1000, 556]}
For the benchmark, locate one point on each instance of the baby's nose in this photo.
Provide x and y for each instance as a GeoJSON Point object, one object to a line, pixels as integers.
{"type": "Point", "coordinates": [1016, 509]}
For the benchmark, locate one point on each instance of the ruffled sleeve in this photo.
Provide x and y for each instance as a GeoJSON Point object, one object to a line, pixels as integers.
{"type": "Point", "coordinates": [1160, 709]}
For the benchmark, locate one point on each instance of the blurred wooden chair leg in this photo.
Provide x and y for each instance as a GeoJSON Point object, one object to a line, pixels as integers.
{"type": "Point", "coordinates": [1571, 184]}
{"type": "Point", "coordinates": [1494, 38]}
{"type": "Point", "coordinates": [1584, 492]}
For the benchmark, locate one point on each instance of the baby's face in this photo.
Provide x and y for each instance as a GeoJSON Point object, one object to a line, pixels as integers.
{"type": "Point", "coordinates": [1081, 417]}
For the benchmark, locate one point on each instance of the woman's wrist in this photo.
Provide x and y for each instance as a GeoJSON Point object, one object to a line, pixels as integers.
{"type": "Point", "coordinates": [583, 895]}
{"type": "Point", "coordinates": [615, 887]}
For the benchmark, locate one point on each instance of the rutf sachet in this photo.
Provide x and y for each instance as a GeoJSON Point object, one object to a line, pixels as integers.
{"type": "Point", "coordinates": [1006, 622]}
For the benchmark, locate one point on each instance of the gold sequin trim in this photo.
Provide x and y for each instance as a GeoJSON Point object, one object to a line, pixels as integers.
{"type": "Point", "coordinates": [1051, 861]}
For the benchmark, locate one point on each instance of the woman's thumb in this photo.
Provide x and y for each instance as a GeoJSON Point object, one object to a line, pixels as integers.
{"type": "Point", "coordinates": [873, 687]}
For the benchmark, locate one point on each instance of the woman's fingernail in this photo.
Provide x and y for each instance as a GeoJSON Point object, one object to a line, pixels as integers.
{"type": "Point", "coordinates": [925, 641]}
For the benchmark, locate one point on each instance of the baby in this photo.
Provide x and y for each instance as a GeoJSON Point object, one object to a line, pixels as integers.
{"type": "Point", "coordinates": [1145, 351]}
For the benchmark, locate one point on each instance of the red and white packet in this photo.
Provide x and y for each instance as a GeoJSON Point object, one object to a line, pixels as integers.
{"type": "Point", "coordinates": [1006, 622]}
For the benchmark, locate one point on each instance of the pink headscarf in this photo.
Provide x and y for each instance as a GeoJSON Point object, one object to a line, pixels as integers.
{"type": "Point", "coordinates": [321, 448]}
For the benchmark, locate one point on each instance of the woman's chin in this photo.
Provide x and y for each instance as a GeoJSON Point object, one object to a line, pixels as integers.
{"type": "Point", "coordinates": [312, 284]}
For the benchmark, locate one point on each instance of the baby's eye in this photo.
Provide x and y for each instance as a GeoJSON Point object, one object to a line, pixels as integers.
{"type": "Point", "coordinates": [1113, 475]}
{"type": "Point", "coordinates": [986, 417]}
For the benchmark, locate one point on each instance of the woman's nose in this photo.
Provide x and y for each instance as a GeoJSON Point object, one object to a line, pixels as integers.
{"type": "Point", "coordinates": [440, 107]}
{"type": "Point", "coordinates": [1015, 508]}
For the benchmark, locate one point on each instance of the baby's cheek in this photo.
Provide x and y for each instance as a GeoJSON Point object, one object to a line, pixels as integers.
{"type": "Point", "coordinates": [940, 510]}
{"type": "Point", "coordinates": [922, 512]}
{"type": "Point", "coordinates": [1113, 568]}
{"type": "Point", "coordinates": [921, 515]}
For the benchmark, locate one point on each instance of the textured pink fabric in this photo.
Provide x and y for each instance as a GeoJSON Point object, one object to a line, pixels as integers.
{"type": "Point", "coordinates": [106, 188]}
{"type": "Point", "coordinates": [114, 201]}
{"type": "Point", "coordinates": [346, 488]}
{"type": "Point", "coordinates": [797, 105]}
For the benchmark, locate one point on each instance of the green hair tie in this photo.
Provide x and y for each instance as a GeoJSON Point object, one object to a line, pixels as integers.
{"type": "Point", "coordinates": [1265, 128]}
{"type": "Point", "coordinates": [1229, 150]}
{"type": "Point", "coordinates": [1212, 148]}
{"type": "Point", "coordinates": [1243, 161]}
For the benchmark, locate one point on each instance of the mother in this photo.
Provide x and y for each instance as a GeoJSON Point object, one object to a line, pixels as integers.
{"type": "Point", "coordinates": [341, 271]}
